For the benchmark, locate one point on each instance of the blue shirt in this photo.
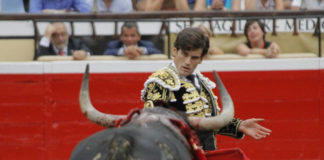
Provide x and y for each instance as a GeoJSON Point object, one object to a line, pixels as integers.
{"type": "Point", "coordinates": [36, 6]}
{"type": "Point", "coordinates": [227, 3]}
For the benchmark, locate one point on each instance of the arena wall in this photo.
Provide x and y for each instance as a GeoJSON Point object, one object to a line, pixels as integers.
{"type": "Point", "coordinates": [40, 116]}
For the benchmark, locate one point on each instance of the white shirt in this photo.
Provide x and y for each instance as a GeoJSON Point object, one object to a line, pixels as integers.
{"type": "Point", "coordinates": [309, 4]}
{"type": "Point", "coordinates": [121, 50]}
{"type": "Point", "coordinates": [268, 6]}
{"type": "Point", "coordinates": [117, 6]}
{"type": "Point", "coordinates": [194, 73]}
{"type": "Point", "coordinates": [45, 42]}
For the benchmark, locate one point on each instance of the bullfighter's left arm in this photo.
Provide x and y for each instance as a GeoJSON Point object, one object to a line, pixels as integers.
{"type": "Point", "coordinates": [232, 129]}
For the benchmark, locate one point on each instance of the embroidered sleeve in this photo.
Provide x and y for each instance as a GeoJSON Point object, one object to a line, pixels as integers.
{"type": "Point", "coordinates": [232, 129]}
{"type": "Point", "coordinates": [154, 92]}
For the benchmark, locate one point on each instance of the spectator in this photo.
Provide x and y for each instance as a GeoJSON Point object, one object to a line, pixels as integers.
{"type": "Point", "coordinates": [56, 41]}
{"type": "Point", "coordinates": [287, 4]}
{"type": "Point", "coordinates": [130, 43]}
{"type": "Point", "coordinates": [12, 6]}
{"type": "Point", "coordinates": [114, 6]}
{"type": "Point", "coordinates": [256, 44]}
{"type": "Point", "coordinates": [260, 5]}
{"type": "Point", "coordinates": [219, 4]}
{"type": "Point", "coordinates": [208, 33]}
{"type": "Point", "coordinates": [308, 5]}
{"type": "Point", "coordinates": [58, 6]}
{"type": "Point", "coordinates": [155, 5]}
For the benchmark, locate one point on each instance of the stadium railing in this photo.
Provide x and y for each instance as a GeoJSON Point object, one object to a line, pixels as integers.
{"type": "Point", "coordinates": [20, 33]}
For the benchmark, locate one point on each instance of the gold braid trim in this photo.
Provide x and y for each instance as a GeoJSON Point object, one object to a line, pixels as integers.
{"type": "Point", "coordinates": [232, 129]}
{"type": "Point", "coordinates": [166, 78]}
{"type": "Point", "coordinates": [148, 104]}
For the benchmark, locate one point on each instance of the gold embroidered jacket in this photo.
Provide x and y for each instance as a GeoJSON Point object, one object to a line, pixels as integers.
{"type": "Point", "coordinates": [166, 85]}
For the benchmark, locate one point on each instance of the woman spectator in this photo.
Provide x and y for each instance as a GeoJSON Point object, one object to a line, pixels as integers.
{"type": "Point", "coordinates": [256, 44]}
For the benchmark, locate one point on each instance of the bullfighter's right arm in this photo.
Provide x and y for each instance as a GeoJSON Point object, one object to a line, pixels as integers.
{"type": "Point", "coordinates": [154, 92]}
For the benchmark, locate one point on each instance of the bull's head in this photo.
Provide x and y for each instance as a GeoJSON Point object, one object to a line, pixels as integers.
{"type": "Point", "coordinates": [109, 120]}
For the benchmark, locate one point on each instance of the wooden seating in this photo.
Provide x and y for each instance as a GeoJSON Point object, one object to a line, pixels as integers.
{"type": "Point", "coordinates": [16, 49]}
{"type": "Point", "coordinates": [281, 55]}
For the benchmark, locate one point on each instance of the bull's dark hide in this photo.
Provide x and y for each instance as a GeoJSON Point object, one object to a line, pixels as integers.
{"type": "Point", "coordinates": [138, 139]}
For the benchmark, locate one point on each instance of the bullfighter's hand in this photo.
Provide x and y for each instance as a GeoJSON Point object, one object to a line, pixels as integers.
{"type": "Point", "coordinates": [251, 128]}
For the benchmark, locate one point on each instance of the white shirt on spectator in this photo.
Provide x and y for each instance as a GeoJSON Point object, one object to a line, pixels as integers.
{"type": "Point", "coordinates": [117, 6]}
{"type": "Point", "coordinates": [45, 42]}
{"type": "Point", "coordinates": [309, 4]}
{"type": "Point", "coordinates": [121, 50]}
{"type": "Point", "coordinates": [269, 5]}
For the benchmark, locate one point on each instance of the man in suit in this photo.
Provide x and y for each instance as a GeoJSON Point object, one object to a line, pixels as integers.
{"type": "Point", "coordinates": [130, 43]}
{"type": "Point", "coordinates": [56, 41]}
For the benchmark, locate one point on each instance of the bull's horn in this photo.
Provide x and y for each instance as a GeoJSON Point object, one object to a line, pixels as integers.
{"type": "Point", "coordinates": [219, 121]}
{"type": "Point", "coordinates": [89, 111]}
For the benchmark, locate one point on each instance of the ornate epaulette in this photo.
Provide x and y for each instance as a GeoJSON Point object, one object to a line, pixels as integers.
{"type": "Point", "coordinates": [165, 77]}
{"type": "Point", "coordinates": [210, 84]}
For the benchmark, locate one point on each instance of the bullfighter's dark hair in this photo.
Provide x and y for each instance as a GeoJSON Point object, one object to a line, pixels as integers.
{"type": "Point", "coordinates": [190, 39]}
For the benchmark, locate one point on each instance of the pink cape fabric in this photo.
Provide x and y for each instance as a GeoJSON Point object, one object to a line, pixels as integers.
{"type": "Point", "coordinates": [227, 154]}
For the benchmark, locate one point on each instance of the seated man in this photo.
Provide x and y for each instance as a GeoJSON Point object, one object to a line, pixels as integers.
{"type": "Point", "coordinates": [56, 41]}
{"type": "Point", "coordinates": [130, 43]}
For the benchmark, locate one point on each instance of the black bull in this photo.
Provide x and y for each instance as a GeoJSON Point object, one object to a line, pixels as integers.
{"type": "Point", "coordinates": [147, 134]}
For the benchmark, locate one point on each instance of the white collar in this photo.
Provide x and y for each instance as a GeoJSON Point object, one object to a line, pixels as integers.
{"type": "Point", "coordinates": [175, 68]}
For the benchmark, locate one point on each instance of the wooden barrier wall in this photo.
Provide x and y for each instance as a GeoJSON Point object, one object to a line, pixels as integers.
{"type": "Point", "coordinates": [40, 116]}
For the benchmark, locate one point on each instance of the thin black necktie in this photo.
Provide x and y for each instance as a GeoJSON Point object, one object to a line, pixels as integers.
{"type": "Point", "coordinates": [192, 77]}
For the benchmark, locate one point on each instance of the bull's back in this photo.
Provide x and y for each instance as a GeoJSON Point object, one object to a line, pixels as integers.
{"type": "Point", "coordinates": [147, 142]}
